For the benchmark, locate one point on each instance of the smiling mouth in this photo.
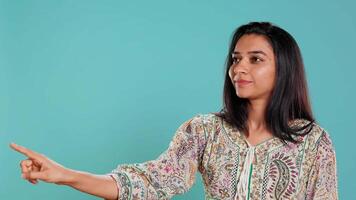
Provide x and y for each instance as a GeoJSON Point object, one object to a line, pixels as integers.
{"type": "Point", "coordinates": [242, 83]}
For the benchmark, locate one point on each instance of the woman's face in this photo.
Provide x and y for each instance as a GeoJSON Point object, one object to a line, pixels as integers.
{"type": "Point", "coordinates": [253, 70]}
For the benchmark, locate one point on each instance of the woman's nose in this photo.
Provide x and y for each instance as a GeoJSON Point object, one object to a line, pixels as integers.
{"type": "Point", "coordinates": [240, 68]}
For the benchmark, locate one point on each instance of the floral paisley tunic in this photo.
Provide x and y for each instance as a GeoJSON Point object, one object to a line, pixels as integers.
{"type": "Point", "coordinates": [231, 168]}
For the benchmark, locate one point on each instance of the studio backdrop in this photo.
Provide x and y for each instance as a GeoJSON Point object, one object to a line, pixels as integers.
{"type": "Point", "coordinates": [93, 84]}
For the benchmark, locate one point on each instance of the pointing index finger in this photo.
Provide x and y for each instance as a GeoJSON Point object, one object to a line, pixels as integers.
{"type": "Point", "coordinates": [27, 152]}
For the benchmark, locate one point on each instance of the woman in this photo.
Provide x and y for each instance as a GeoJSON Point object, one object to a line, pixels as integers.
{"type": "Point", "coordinates": [263, 144]}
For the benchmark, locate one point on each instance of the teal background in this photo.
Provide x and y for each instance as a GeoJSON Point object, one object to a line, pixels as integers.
{"type": "Point", "coordinates": [93, 84]}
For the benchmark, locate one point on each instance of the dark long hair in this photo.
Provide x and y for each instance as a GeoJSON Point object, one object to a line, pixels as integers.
{"type": "Point", "coordinates": [289, 100]}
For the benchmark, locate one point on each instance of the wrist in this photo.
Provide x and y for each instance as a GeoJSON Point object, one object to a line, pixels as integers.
{"type": "Point", "coordinates": [70, 177]}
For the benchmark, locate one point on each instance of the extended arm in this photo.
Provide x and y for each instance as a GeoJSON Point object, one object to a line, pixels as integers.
{"type": "Point", "coordinates": [39, 167]}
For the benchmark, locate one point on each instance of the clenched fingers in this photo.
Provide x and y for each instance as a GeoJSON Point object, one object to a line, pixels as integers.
{"type": "Point", "coordinates": [34, 175]}
{"type": "Point", "coordinates": [28, 166]}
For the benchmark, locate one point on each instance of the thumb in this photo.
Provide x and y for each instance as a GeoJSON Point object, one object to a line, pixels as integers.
{"type": "Point", "coordinates": [34, 175]}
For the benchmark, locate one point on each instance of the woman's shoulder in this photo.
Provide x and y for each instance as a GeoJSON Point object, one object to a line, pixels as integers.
{"type": "Point", "coordinates": [204, 118]}
{"type": "Point", "coordinates": [205, 121]}
{"type": "Point", "coordinates": [321, 137]}
{"type": "Point", "coordinates": [316, 133]}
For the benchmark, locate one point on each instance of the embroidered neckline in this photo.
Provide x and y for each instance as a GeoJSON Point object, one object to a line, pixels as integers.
{"type": "Point", "coordinates": [239, 139]}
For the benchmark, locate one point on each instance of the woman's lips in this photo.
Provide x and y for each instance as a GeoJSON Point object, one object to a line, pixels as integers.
{"type": "Point", "coordinates": [242, 82]}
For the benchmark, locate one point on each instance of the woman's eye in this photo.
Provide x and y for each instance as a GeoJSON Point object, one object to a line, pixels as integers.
{"type": "Point", "coordinates": [235, 60]}
{"type": "Point", "coordinates": [256, 59]}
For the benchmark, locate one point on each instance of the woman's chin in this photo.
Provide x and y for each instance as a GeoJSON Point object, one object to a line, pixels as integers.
{"type": "Point", "coordinates": [242, 95]}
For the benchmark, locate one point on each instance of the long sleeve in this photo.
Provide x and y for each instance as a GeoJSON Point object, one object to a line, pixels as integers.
{"type": "Point", "coordinates": [173, 172]}
{"type": "Point", "coordinates": [322, 182]}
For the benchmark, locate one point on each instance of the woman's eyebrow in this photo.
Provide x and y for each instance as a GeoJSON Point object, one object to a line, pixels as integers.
{"type": "Point", "coordinates": [251, 52]}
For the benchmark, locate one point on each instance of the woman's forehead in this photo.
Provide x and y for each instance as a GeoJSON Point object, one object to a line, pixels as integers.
{"type": "Point", "coordinates": [253, 43]}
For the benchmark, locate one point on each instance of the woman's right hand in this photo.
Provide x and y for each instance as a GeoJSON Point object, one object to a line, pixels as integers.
{"type": "Point", "coordinates": [39, 167]}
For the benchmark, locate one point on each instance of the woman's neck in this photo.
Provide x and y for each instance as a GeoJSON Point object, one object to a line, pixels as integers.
{"type": "Point", "coordinates": [256, 122]}
{"type": "Point", "coordinates": [256, 115]}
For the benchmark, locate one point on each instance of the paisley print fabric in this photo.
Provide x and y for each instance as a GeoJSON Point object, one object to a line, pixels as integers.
{"type": "Point", "coordinates": [209, 145]}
